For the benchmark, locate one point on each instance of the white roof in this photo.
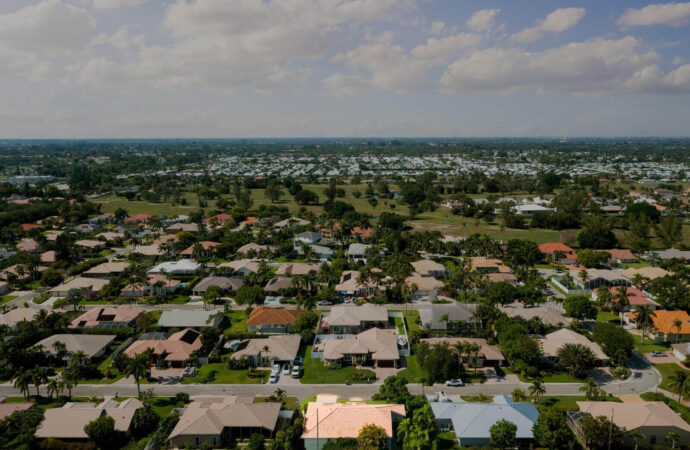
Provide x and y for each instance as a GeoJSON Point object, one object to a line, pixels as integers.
{"type": "Point", "coordinates": [183, 265]}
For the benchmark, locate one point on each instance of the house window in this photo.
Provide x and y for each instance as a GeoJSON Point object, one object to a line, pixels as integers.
{"type": "Point", "coordinates": [215, 440]}
{"type": "Point", "coordinates": [347, 357]}
{"type": "Point", "coordinates": [652, 440]}
{"type": "Point", "coordinates": [197, 440]}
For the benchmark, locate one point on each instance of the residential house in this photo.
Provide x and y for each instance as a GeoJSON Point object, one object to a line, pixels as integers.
{"type": "Point", "coordinates": [279, 349]}
{"type": "Point", "coordinates": [488, 265]}
{"type": "Point", "coordinates": [173, 349]}
{"type": "Point", "coordinates": [671, 253]}
{"type": "Point", "coordinates": [225, 284]}
{"type": "Point", "coordinates": [241, 267]}
{"type": "Point", "coordinates": [86, 287]}
{"type": "Point", "coordinates": [375, 346]}
{"type": "Point", "coordinates": [553, 342]}
{"type": "Point", "coordinates": [206, 250]}
{"type": "Point", "coordinates": [253, 248]}
{"type": "Point", "coordinates": [350, 285]}
{"type": "Point", "coordinates": [327, 419]}
{"type": "Point", "coordinates": [292, 222]}
{"type": "Point", "coordinates": [636, 298]}
{"type": "Point", "coordinates": [307, 237]}
{"type": "Point", "coordinates": [452, 316]}
{"type": "Point", "coordinates": [48, 258]}
{"type": "Point", "coordinates": [529, 209]}
{"type": "Point", "coordinates": [12, 317]}
{"type": "Point", "coordinates": [358, 252]}
{"type": "Point", "coordinates": [184, 318]}
{"type": "Point", "coordinates": [92, 345]}
{"type": "Point", "coordinates": [108, 317]}
{"type": "Point", "coordinates": [107, 269]}
{"type": "Point", "coordinates": [67, 423]}
{"type": "Point", "coordinates": [28, 245]}
{"type": "Point", "coordinates": [471, 421]}
{"type": "Point", "coordinates": [84, 228]}
{"type": "Point", "coordinates": [667, 326]}
{"type": "Point", "coordinates": [219, 220]}
{"type": "Point", "coordinates": [654, 421]}
{"type": "Point", "coordinates": [429, 268]}
{"type": "Point", "coordinates": [272, 320]}
{"type": "Point", "coordinates": [224, 420]}
{"type": "Point", "coordinates": [599, 277]}
{"type": "Point", "coordinates": [181, 267]}
{"type": "Point", "coordinates": [550, 313]}
{"type": "Point", "coordinates": [620, 256]}
{"type": "Point", "coordinates": [558, 252]}
{"type": "Point", "coordinates": [275, 285]}
{"type": "Point", "coordinates": [424, 287]}
{"type": "Point", "coordinates": [7, 409]}
{"type": "Point", "coordinates": [651, 273]}
{"type": "Point", "coordinates": [156, 284]}
{"type": "Point", "coordinates": [681, 351]}
{"type": "Point", "coordinates": [321, 252]}
{"type": "Point", "coordinates": [179, 227]}
{"type": "Point", "coordinates": [138, 218]}
{"type": "Point", "coordinates": [346, 319]}
{"type": "Point", "coordinates": [487, 356]}
{"type": "Point", "coordinates": [502, 277]}
{"type": "Point", "coordinates": [292, 269]}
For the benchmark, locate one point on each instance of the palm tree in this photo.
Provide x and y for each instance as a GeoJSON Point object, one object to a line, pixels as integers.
{"type": "Point", "coordinates": [475, 349]}
{"type": "Point", "coordinates": [590, 388]}
{"type": "Point", "coordinates": [674, 437]}
{"type": "Point", "coordinates": [680, 381]}
{"type": "Point", "coordinates": [22, 379]}
{"type": "Point", "coordinates": [637, 436]}
{"type": "Point", "coordinates": [644, 319]}
{"type": "Point", "coordinates": [576, 358]}
{"type": "Point", "coordinates": [537, 389]}
{"type": "Point", "coordinates": [518, 395]}
{"type": "Point", "coordinates": [678, 324]}
{"type": "Point", "coordinates": [60, 350]}
{"type": "Point", "coordinates": [279, 394]}
{"type": "Point", "coordinates": [604, 297]}
{"type": "Point", "coordinates": [584, 277]}
{"type": "Point", "coordinates": [38, 377]}
{"type": "Point", "coordinates": [622, 301]}
{"type": "Point", "coordinates": [68, 380]}
{"type": "Point", "coordinates": [137, 367]}
{"type": "Point", "coordinates": [53, 387]}
{"type": "Point", "coordinates": [444, 318]}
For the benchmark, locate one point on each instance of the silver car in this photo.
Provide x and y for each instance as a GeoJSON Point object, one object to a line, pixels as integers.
{"type": "Point", "coordinates": [273, 379]}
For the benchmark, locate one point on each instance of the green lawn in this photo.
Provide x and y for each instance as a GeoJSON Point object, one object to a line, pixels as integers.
{"type": "Point", "coordinates": [399, 325]}
{"type": "Point", "coordinates": [315, 372]}
{"type": "Point", "coordinates": [288, 402]}
{"type": "Point", "coordinates": [218, 373]}
{"type": "Point", "coordinates": [558, 377]}
{"type": "Point", "coordinates": [477, 398]}
{"type": "Point", "coordinates": [7, 299]}
{"type": "Point", "coordinates": [44, 402]}
{"type": "Point", "coordinates": [179, 300]}
{"type": "Point", "coordinates": [238, 322]}
{"type": "Point", "coordinates": [413, 372]}
{"type": "Point", "coordinates": [447, 441]}
{"type": "Point", "coordinates": [666, 370]}
{"type": "Point", "coordinates": [649, 346]}
{"type": "Point", "coordinates": [607, 316]}
{"type": "Point", "coordinates": [567, 402]}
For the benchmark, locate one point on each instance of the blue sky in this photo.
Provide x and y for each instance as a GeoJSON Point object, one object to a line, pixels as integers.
{"type": "Point", "coordinates": [250, 68]}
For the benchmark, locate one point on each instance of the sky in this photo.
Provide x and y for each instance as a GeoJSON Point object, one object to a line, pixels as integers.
{"type": "Point", "coordinates": [347, 68]}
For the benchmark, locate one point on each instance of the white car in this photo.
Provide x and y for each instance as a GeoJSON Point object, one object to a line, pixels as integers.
{"type": "Point", "coordinates": [286, 369]}
{"type": "Point", "coordinates": [273, 379]}
{"type": "Point", "coordinates": [276, 369]}
{"type": "Point", "coordinates": [296, 371]}
{"type": "Point", "coordinates": [454, 382]}
{"type": "Point", "coordinates": [325, 303]}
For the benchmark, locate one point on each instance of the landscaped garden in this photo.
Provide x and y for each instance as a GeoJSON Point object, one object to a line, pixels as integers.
{"type": "Point", "coordinates": [315, 372]}
{"type": "Point", "coordinates": [218, 373]}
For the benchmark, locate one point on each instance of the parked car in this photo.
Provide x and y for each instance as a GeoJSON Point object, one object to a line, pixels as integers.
{"type": "Point", "coordinates": [296, 372]}
{"type": "Point", "coordinates": [273, 379]}
{"type": "Point", "coordinates": [299, 361]}
{"type": "Point", "coordinates": [276, 368]}
{"type": "Point", "coordinates": [442, 397]}
{"type": "Point", "coordinates": [286, 369]}
{"type": "Point", "coordinates": [657, 353]}
{"type": "Point", "coordinates": [454, 382]}
{"type": "Point", "coordinates": [325, 303]}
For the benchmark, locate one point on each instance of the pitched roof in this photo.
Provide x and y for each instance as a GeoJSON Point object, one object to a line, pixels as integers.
{"type": "Point", "coordinates": [551, 247]}
{"type": "Point", "coordinates": [69, 421]}
{"type": "Point", "coordinates": [296, 268]}
{"type": "Point", "coordinates": [93, 284]}
{"type": "Point", "coordinates": [274, 284]}
{"type": "Point", "coordinates": [281, 347]}
{"type": "Point", "coordinates": [490, 352]}
{"type": "Point", "coordinates": [632, 415]}
{"type": "Point", "coordinates": [345, 420]}
{"type": "Point", "coordinates": [138, 218]}
{"type": "Point", "coordinates": [382, 344]}
{"type": "Point", "coordinates": [90, 344]}
{"type": "Point", "coordinates": [92, 317]}
{"type": "Point", "coordinates": [473, 420]}
{"type": "Point", "coordinates": [635, 296]}
{"type": "Point", "coordinates": [663, 321]}
{"type": "Point", "coordinates": [108, 267]}
{"type": "Point", "coordinates": [346, 315]}
{"type": "Point", "coordinates": [224, 283]}
{"type": "Point", "coordinates": [206, 245]}
{"type": "Point", "coordinates": [14, 316]}
{"type": "Point", "coordinates": [552, 342]}
{"type": "Point", "coordinates": [209, 418]}
{"type": "Point", "coordinates": [431, 315]}
{"type": "Point", "coordinates": [183, 265]}
{"type": "Point", "coordinates": [550, 313]}
{"type": "Point", "coordinates": [177, 347]}
{"type": "Point", "coordinates": [263, 315]}
{"type": "Point", "coordinates": [619, 254]}
{"type": "Point", "coordinates": [240, 264]}
{"type": "Point", "coordinates": [182, 318]}
{"type": "Point", "coordinates": [648, 272]}
{"type": "Point", "coordinates": [8, 408]}
{"type": "Point", "coordinates": [426, 266]}
{"type": "Point", "coordinates": [424, 283]}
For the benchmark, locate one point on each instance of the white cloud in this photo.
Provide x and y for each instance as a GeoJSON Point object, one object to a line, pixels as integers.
{"type": "Point", "coordinates": [673, 14]}
{"type": "Point", "coordinates": [559, 20]}
{"type": "Point", "coordinates": [441, 48]}
{"type": "Point", "coordinates": [483, 20]}
{"type": "Point", "coordinates": [114, 4]}
{"type": "Point", "coordinates": [597, 66]}
{"type": "Point", "coordinates": [47, 27]}
{"type": "Point", "coordinates": [437, 27]}
{"type": "Point", "coordinates": [122, 39]}
{"type": "Point", "coordinates": [221, 45]}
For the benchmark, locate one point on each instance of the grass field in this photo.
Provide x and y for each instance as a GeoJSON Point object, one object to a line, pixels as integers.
{"type": "Point", "coordinates": [44, 402]}
{"type": "Point", "coordinates": [315, 372]}
{"type": "Point", "coordinates": [238, 322]}
{"type": "Point", "coordinates": [568, 402]}
{"type": "Point", "coordinates": [666, 370]}
{"type": "Point", "coordinates": [7, 299]}
{"type": "Point", "coordinates": [649, 346]}
{"type": "Point", "coordinates": [607, 316]}
{"type": "Point", "coordinates": [413, 372]}
{"type": "Point", "coordinates": [218, 373]}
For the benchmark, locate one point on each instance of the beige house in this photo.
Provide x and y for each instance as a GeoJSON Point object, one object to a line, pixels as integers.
{"type": "Point", "coordinates": [280, 349]}
{"type": "Point", "coordinates": [550, 313]}
{"type": "Point", "coordinates": [344, 319]}
{"type": "Point", "coordinates": [552, 342]}
{"type": "Point", "coordinates": [107, 269]}
{"type": "Point", "coordinates": [13, 317]}
{"type": "Point", "coordinates": [654, 419]}
{"type": "Point", "coordinates": [327, 419]}
{"type": "Point", "coordinates": [375, 347]}
{"type": "Point", "coordinates": [86, 286]}
{"type": "Point", "coordinates": [488, 355]}
{"type": "Point", "coordinates": [291, 269]}
{"type": "Point", "coordinates": [222, 420]}
{"type": "Point", "coordinates": [350, 285]}
{"type": "Point", "coordinates": [241, 266]}
{"type": "Point", "coordinates": [92, 345]}
{"type": "Point", "coordinates": [429, 268]}
{"type": "Point", "coordinates": [651, 273]}
{"type": "Point", "coordinates": [425, 287]}
{"type": "Point", "coordinates": [68, 422]}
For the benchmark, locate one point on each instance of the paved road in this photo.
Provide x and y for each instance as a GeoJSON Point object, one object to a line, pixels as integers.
{"type": "Point", "coordinates": [647, 381]}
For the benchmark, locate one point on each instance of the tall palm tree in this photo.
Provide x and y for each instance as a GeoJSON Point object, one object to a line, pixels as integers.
{"type": "Point", "coordinates": [138, 367]}
{"type": "Point", "coordinates": [518, 395]}
{"type": "Point", "coordinates": [22, 380]}
{"type": "Point", "coordinates": [68, 380]}
{"type": "Point", "coordinates": [590, 388]}
{"type": "Point", "coordinates": [475, 349]}
{"type": "Point", "coordinates": [678, 324]}
{"type": "Point", "coordinates": [53, 387]}
{"type": "Point", "coordinates": [537, 389]}
{"type": "Point", "coordinates": [637, 436]}
{"type": "Point", "coordinates": [644, 319]}
{"type": "Point", "coordinates": [38, 377]}
{"type": "Point", "coordinates": [674, 437]}
{"type": "Point", "coordinates": [622, 300]}
{"type": "Point", "coordinates": [680, 381]}
{"type": "Point", "coordinates": [604, 297]}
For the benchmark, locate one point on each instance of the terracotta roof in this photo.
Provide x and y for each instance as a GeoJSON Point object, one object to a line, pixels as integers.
{"type": "Point", "coordinates": [206, 245]}
{"type": "Point", "coordinates": [345, 420]}
{"type": "Point", "coordinates": [91, 318]}
{"type": "Point", "coordinates": [619, 253]}
{"type": "Point", "coordinates": [663, 321]}
{"type": "Point", "coordinates": [220, 218]}
{"type": "Point", "coordinates": [551, 247]}
{"type": "Point", "coordinates": [263, 315]}
{"type": "Point", "coordinates": [178, 347]}
{"type": "Point", "coordinates": [139, 218]}
{"type": "Point", "coordinates": [635, 296]}
{"type": "Point", "coordinates": [30, 226]}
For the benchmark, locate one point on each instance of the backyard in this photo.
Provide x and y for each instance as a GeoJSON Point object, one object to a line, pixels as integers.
{"type": "Point", "coordinates": [315, 372]}
{"type": "Point", "coordinates": [666, 370]}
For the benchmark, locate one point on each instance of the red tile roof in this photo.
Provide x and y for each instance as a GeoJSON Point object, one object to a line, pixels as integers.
{"type": "Point", "coordinates": [552, 247]}
{"type": "Point", "coordinates": [139, 218]}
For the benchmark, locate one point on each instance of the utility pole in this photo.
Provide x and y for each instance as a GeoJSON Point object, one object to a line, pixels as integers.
{"type": "Point", "coordinates": [611, 429]}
